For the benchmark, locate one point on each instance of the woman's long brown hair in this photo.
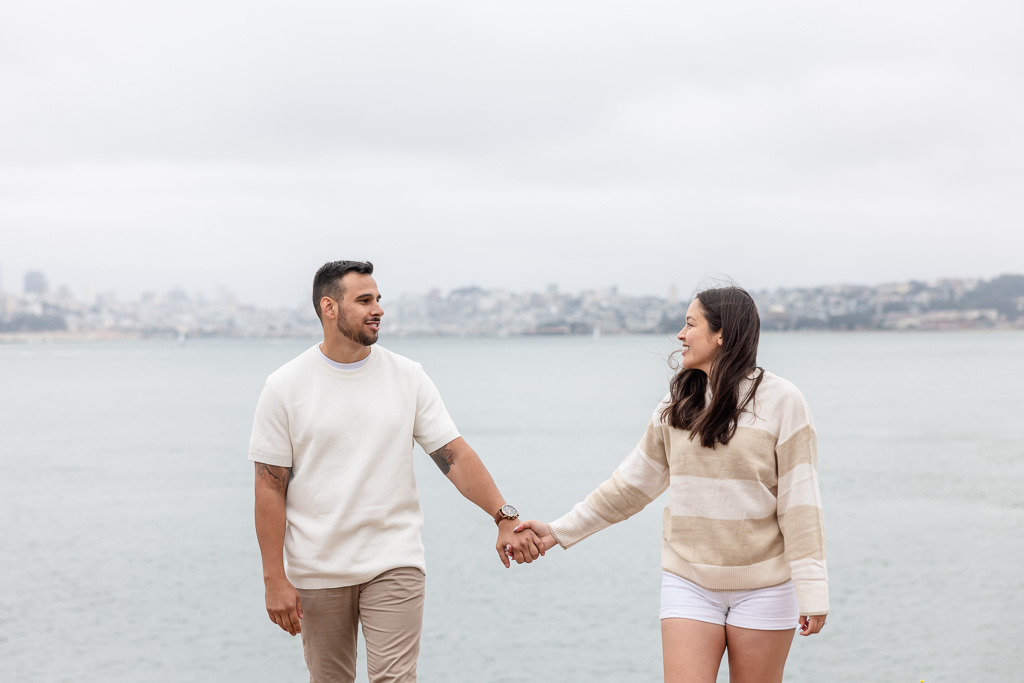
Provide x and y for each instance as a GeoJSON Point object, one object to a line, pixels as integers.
{"type": "Point", "coordinates": [732, 311]}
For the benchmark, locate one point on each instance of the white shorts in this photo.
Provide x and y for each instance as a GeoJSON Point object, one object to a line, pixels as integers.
{"type": "Point", "coordinates": [765, 609]}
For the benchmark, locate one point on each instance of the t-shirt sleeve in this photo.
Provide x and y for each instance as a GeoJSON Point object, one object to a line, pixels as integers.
{"type": "Point", "coordinates": [434, 427]}
{"type": "Point", "coordinates": [271, 441]}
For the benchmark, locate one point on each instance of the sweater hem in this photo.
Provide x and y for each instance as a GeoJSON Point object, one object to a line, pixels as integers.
{"type": "Point", "coordinates": [812, 597]}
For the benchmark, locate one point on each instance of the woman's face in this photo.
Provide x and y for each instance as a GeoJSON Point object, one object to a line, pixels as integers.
{"type": "Point", "coordinates": [700, 344]}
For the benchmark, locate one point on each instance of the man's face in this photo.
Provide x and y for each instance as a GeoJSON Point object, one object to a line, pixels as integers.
{"type": "Point", "coordinates": [359, 310]}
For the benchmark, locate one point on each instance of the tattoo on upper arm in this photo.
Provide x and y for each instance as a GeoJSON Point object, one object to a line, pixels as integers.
{"type": "Point", "coordinates": [444, 457]}
{"type": "Point", "coordinates": [277, 477]}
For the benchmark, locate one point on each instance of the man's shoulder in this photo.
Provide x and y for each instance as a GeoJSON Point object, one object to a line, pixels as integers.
{"type": "Point", "coordinates": [294, 368]}
{"type": "Point", "coordinates": [397, 361]}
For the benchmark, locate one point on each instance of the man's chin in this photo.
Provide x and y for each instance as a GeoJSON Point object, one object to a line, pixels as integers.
{"type": "Point", "coordinates": [364, 336]}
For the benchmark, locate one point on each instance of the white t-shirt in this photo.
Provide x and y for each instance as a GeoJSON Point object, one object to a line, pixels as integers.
{"type": "Point", "coordinates": [352, 507]}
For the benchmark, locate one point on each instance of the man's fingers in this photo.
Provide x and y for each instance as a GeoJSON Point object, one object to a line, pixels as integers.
{"type": "Point", "coordinates": [525, 547]}
{"type": "Point", "coordinates": [519, 551]}
{"type": "Point", "coordinates": [298, 606]}
{"type": "Point", "coordinates": [280, 619]}
{"type": "Point", "coordinates": [292, 622]}
{"type": "Point", "coordinates": [536, 540]}
{"type": "Point", "coordinates": [502, 553]}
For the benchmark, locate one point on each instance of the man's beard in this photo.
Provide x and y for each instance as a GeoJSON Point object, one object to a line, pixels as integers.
{"type": "Point", "coordinates": [363, 335]}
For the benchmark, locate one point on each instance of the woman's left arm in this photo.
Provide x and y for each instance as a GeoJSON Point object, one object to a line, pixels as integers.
{"type": "Point", "coordinates": [799, 508]}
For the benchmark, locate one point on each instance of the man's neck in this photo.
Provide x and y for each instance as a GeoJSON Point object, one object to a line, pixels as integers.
{"type": "Point", "coordinates": [344, 350]}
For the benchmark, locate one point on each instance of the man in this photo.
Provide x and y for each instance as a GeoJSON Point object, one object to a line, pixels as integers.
{"type": "Point", "coordinates": [332, 443]}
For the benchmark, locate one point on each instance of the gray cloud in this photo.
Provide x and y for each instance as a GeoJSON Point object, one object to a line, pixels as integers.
{"type": "Point", "coordinates": [147, 145]}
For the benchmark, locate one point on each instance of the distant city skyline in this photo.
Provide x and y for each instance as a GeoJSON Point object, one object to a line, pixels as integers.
{"type": "Point", "coordinates": [669, 291]}
{"type": "Point", "coordinates": [475, 311]}
{"type": "Point", "coordinates": [131, 293]}
{"type": "Point", "coordinates": [135, 293]}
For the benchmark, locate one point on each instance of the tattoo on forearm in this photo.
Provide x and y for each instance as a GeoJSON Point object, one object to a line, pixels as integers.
{"type": "Point", "coordinates": [277, 477]}
{"type": "Point", "coordinates": [445, 458]}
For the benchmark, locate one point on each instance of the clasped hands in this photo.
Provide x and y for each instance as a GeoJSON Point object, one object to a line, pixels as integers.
{"type": "Point", "coordinates": [523, 541]}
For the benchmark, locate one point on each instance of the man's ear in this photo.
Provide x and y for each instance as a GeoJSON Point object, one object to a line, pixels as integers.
{"type": "Point", "coordinates": [328, 308]}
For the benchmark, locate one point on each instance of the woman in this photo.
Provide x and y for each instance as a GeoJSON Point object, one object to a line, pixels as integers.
{"type": "Point", "coordinates": [743, 554]}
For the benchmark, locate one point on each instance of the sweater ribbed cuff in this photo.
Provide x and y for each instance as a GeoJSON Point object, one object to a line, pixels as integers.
{"type": "Point", "coordinates": [812, 596]}
{"type": "Point", "coordinates": [567, 531]}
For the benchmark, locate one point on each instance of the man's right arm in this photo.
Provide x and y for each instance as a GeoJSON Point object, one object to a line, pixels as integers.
{"type": "Point", "coordinates": [283, 605]}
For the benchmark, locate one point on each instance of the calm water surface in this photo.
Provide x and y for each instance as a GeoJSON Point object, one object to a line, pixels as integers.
{"type": "Point", "coordinates": [128, 552]}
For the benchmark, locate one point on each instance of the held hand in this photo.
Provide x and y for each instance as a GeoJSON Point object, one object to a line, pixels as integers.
{"type": "Point", "coordinates": [811, 625]}
{"type": "Point", "coordinates": [283, 605]}
{"type": "Point", "coordinates": [520, 547]}
{"type": "Point", "coordinates": [546, 541]}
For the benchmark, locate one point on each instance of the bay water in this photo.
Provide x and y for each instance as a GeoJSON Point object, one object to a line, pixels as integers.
{"type": "Point", "coordinates": [128, 552]}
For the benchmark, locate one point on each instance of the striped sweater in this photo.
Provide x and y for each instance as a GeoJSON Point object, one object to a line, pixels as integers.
{"type": "Point", "coordinates": [741, 516]}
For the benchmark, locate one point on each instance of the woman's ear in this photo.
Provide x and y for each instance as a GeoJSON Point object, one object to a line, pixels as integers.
{"type": "Point", "coordinates": [719, 339]}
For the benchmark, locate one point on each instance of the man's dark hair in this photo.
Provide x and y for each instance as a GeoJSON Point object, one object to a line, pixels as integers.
{"type": "Point", "coordinates": [327, 281]}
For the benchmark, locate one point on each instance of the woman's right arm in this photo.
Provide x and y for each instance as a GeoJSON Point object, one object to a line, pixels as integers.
{"type": "Point", "coordinates": [642, 477]}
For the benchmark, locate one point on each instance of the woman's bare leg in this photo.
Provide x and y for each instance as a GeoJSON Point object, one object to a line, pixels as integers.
{"type": "Point", "coordinates": [757, 656]}
{"type": "Point", "coordinates": [692, 650]}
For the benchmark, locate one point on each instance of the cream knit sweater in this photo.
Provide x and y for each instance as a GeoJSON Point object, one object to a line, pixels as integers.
{"type": "Point", "coordinates": [740, 516]}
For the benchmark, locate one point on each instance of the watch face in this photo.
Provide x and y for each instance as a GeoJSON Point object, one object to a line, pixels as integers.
{"type": "Point", "coordinates": [509, 512]}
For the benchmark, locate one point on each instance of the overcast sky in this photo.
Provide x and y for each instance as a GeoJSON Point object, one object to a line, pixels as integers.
{"type": "Point", "coordinates": [148, 145]}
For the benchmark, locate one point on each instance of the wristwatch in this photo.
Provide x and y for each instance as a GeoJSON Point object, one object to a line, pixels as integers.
{"type": "Point", "coordinates": [506, 512]}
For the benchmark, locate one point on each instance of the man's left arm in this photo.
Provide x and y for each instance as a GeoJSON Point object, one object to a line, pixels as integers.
{"type": "Point", "coordinates": [460, 463]}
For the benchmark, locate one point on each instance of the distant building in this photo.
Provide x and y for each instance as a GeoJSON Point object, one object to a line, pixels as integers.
{"type": "Point", "coordinates": [35, 283]}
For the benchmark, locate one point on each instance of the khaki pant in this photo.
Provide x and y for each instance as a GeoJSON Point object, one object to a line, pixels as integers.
{"type": "Point", "coordinates": [390, 609]}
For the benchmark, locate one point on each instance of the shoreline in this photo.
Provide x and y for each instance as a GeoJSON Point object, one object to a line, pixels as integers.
{"type": "Point", "coordinates": [64, 337]}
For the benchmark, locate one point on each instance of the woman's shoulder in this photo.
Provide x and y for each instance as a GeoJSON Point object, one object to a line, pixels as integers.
{"type": "Point", "coordinates": [778, 384]}
{"type": "Point", "coordinates": [778, 390]}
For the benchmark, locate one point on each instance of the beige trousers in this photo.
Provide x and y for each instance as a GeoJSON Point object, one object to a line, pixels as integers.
{"type": "Point", "coordinates": [390, 609]}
